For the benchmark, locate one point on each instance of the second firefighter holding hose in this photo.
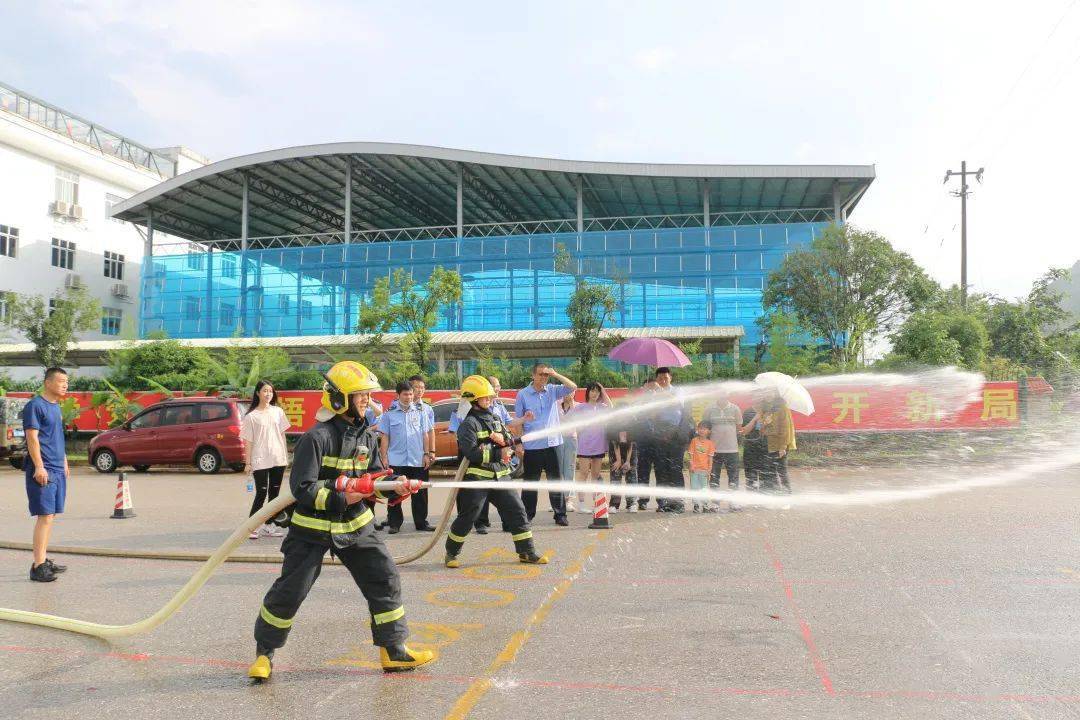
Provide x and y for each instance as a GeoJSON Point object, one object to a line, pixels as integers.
{"type": "Point", "coordinates": [331, 477]}
{"type": "Point", "coordinates": [486, 443]}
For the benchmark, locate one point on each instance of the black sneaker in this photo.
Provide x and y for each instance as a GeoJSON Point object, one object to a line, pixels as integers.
{"type": "Point", "coordinates": [561, 520]}
{"type": "Point", "coordinates": [481, 530]}
{"type": "Point", "coordinates": [393, 530]}
{"type": "Point", "coordinates": [54, 567]}
{"type": "Point", "coordinates": [42, 573]}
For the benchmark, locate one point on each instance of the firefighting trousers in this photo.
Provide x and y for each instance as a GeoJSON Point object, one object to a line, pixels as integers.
{"type": "Point", "coordinates": [373, 571]}
{"type": "Point", "coordinates": [510, 508]}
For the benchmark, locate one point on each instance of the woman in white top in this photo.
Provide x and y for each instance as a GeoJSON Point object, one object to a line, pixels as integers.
{"type": "Point", "coordinates": [265, 456]}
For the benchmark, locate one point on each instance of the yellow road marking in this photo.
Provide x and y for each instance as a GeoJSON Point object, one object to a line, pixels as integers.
{"type": "Point", "coordinates": [1068, 571]}
{"type": "Point", "coordinates": [468, 700]}
{"type": "Point", "coordinates": [502, 572]}
{"type": "Point", "coordinates": [422, 636]}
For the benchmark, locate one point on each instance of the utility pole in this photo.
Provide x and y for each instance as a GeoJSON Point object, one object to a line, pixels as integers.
{"type": "Point", "coordinates": [963, 193]}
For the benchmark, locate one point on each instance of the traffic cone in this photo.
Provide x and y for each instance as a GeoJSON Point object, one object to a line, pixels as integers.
{"type": "Point", "coordinates": [600, 520]}
{"type": "Point", "coordinates": [124, 508]}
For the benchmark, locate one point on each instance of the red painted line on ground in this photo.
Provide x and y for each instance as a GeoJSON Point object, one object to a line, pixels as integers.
{"type": "Point", "coordinates": [465, 680]}
{"type": "Point", "coordinates": [804, 627]}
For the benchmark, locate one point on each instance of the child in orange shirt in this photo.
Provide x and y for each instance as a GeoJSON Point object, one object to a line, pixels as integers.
{"type": "Point", "coordinates": [701, 459]}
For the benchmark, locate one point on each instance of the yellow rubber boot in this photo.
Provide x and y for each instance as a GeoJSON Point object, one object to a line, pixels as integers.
{"type": "Point", "coordinates": [404, 659]}
{"type": "Point", "coordinates": [451, 561]}
{"type": "Point", "coordinates": [532, 558]}
{"type": "Point", "coordinates": [260, 669]}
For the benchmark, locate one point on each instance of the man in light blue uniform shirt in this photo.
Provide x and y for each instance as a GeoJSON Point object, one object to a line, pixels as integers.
{"type": "Point", "coordinates": [541, 398]}
{"type": "Point", "coordinates": [405, 446]}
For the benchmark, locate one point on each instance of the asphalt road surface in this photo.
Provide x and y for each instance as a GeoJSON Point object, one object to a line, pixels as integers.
{"type": "Point", "coordinates": [963, 606]}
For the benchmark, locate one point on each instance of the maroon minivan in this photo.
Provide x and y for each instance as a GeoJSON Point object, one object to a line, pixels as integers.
{"type": "Point", "coordinates": [203, 431]}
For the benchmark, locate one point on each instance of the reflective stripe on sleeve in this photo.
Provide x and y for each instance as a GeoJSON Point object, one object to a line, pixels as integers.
{"type": "Point", "coordinates": [320, 498]}
{"type": "Point", "coordinates": [336, 528]}
{"type": "Point", "coordinates": [480, 472]}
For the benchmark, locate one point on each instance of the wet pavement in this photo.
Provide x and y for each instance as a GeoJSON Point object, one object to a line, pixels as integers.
{"type": "Point", "coordinates": [961, 606]}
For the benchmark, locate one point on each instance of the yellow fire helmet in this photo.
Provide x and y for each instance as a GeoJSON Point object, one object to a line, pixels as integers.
{"type": "Point", "coordinates": [344, 379]}
{"type": "Point", "coordinates": [475, 387]}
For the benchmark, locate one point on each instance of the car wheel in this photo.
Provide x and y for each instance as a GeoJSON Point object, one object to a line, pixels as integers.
{"type": "Point", "coordinates": [208, 461]}
{"type": "Point", "coordinates": [16, 462]}
{"type": "Point", "coordinates": [105, 461]}
{"type": "Point", "coordinates": [141, 468]}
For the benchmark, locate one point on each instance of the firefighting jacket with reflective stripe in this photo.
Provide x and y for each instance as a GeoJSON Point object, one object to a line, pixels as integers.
{"type": "Point", "coordinates": [475, 444]}
{"type": "Point", "coordinates": [330, 449]}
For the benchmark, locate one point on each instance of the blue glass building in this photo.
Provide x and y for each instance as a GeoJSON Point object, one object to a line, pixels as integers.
{"type": "Point", "coordinates": [289, 243]}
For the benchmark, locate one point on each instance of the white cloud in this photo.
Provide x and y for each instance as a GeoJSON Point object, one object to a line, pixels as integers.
{"type": "Point", "coordinates": [654, 59]}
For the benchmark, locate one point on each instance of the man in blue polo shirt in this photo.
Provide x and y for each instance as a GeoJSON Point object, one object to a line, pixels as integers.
{"type": "Point", "coordinates": [541, 398]}
{"type": "Point", "coordinates": [404, 444]}
{"type": "Point", "coordinates": [47, 467]}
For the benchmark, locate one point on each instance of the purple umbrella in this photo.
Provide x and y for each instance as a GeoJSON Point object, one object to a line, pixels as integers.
{"type": "Point", "coordinates": [656, 352]}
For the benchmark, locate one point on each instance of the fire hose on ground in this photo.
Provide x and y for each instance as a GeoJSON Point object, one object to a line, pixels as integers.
{"type": "Point", "coordinates": [213, 562]}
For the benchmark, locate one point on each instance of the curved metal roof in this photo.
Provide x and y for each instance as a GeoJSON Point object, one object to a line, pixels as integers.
{"type": "Point", "coordinates": [300, 190]}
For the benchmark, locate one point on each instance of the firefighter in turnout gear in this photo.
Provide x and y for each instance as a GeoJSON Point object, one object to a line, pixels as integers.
{"type": "Point", "coordinates": [486, 443]}
{"type": "Point", "coordinates": [330, 514]}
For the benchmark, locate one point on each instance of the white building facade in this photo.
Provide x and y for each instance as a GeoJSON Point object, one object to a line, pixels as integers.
{"type": "Point", "coordinates": [59, 177]}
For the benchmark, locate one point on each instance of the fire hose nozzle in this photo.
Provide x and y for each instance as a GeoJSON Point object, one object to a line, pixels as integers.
{"type": "Point", "coordinates": [365, 484]}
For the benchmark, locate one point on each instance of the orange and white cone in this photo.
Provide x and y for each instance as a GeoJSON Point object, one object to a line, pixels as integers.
{"type": "Point", "coordinates": [600, 520]}
{"type": "Point", "coordinates": [124, 507]}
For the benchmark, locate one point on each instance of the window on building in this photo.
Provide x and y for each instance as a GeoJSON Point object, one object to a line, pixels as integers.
{"type": "Point", "coordinates": [67, 186]}
{"type": "Point", "coordinates": [306, 308]}
{"type": "Point", "coordinates": [9, 240]}
{"type": "Point", "coordinates": [195, 261]}
{"type": "Point", "coordinates": [283, 303]}
{"type": "Point", "coordinates": [226, 316]}
{"type": "Point", "coordinates": [52, 306]}
{"type": "Point", "coordinates": [228, 266]}
{"type": "Point", "coordinates": [110, 321]}
{"type": "Point", "coordinates": [114, 265]}
{"type": "Point", "coordinates": [192, 307]}
{"type": "Point", "coordinates": [112, 201]}
{"type": "Point", "coordinates": [63, 254]}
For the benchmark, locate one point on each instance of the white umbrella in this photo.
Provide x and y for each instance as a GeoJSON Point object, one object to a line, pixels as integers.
{"type": "Point", "coordinates": [790, 390]}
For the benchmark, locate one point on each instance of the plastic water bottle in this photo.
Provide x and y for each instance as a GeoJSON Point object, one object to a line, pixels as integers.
{"type": "Point", "coordinates": [250, 484]}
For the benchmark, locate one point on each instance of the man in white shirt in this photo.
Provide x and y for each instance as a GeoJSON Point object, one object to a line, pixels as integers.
{"type": "Point", "coordinates": [726, 418]}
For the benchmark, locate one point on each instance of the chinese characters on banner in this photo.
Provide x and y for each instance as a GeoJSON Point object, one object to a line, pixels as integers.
{"type": "Point", "coordinates": [880, 408]}
{"type": "Point", "coordinates": [857, 408]}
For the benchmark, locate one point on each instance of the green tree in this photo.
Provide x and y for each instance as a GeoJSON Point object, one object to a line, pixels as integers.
{"type": "Point", "coordinates": [169, 362]}
{"type": "Point", "coordinates": [847, 287]}
{"type": "Point", "coordinates": [1030, 331]}
{"type": "Point", "coordinates": [240, 367]}
{"type": "Point", "coordinates": [52, 330]}
{"type": "Point", "coordinates": [784, 351]}
{"type": "Point", "coordinates": [590, 307]}
{"type": "Point", "coordinates": [399, 301]}
{"type": "Point", "coordinates": [924, 340]}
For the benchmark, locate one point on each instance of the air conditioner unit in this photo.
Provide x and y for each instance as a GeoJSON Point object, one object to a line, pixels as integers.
{"type": "Point", "coordinates": [120, 290]}
{"type": "Point", "coordinates": [73, 281]}
{"type": "Point", "coordinates": [77, 212]}
{"type": "Point", "coordinates": [59, 208]}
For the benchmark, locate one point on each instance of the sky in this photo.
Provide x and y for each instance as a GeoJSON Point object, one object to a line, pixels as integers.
{"type": "Point", "coordinates": [912, 87]}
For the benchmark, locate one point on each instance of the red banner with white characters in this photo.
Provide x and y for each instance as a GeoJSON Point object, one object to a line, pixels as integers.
{"type": "Point", "coordinates": [855, 408]}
